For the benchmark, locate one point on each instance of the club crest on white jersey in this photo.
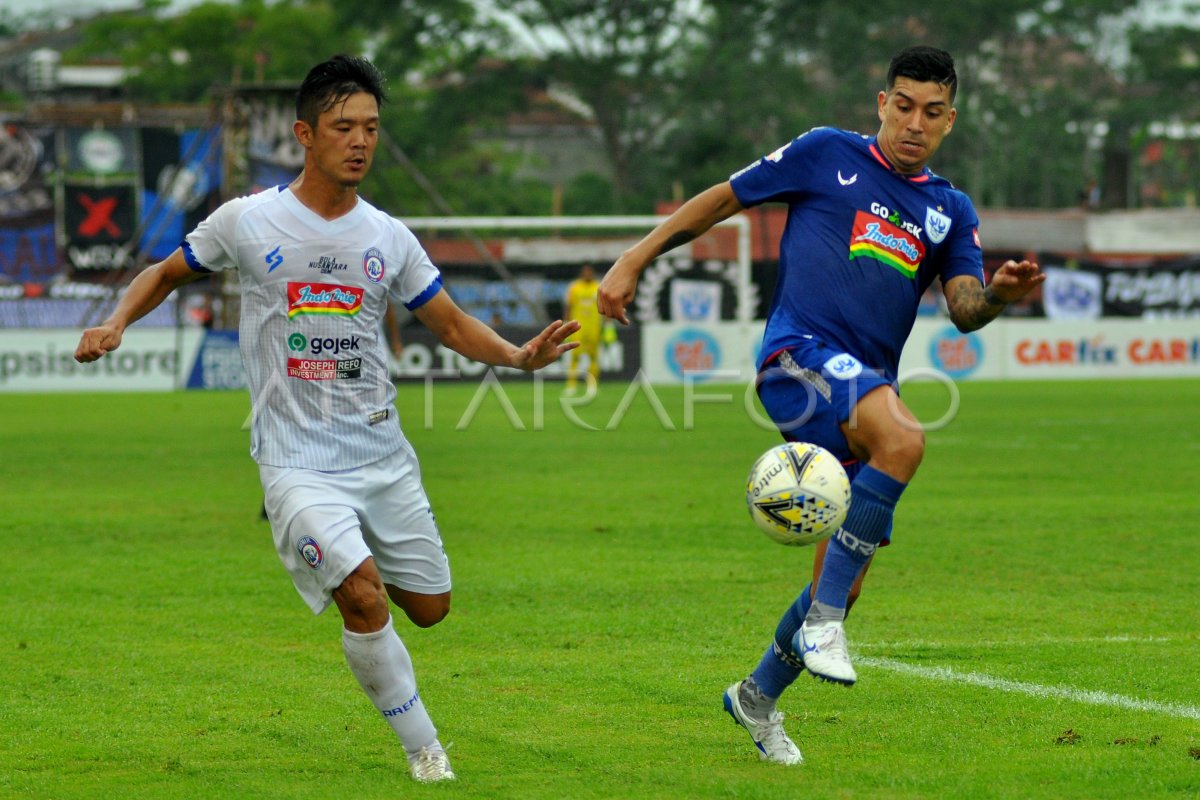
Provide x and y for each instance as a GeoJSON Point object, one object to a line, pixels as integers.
{"type": "Point", "coordinates": [373, 265]}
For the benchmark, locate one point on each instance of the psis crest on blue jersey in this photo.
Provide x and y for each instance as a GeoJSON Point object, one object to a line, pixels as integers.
{"type": "Point", "coordinates": [937, 225]}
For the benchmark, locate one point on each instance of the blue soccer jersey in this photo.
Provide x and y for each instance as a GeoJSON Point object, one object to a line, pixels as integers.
{"type": "Point", "coordinates": [861, 245]}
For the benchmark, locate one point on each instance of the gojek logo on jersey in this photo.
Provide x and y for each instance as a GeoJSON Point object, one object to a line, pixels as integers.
{"type": "Point", "coordinates": [320, 345]}
{"type": "Point", "coordinates": [325, 299]}
{"type": "Point", "coordinates": [884, 241]}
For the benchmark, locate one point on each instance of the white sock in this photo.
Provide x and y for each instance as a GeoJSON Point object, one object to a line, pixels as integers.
{"type": "Point", "coordinates": [384, 669]}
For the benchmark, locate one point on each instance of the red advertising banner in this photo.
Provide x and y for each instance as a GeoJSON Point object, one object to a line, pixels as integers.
{"type": "Point", "coordinates": [99, 224]}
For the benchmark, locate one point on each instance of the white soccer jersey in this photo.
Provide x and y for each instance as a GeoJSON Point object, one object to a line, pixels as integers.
{"type": "Point", "coordinates": [314, 292]}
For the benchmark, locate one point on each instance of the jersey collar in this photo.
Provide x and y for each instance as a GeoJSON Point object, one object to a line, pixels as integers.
{"type": "Point", "coordinates": [921, 177]}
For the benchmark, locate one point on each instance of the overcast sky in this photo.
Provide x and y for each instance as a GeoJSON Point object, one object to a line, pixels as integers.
{"type": "Point", "coordinates": [72, 8]}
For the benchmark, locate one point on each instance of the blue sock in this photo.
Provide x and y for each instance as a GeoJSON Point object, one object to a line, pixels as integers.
{"type": "Point", "coordinates": [873, 498]}
{"type": "Point", "coordinates": [779, 668]}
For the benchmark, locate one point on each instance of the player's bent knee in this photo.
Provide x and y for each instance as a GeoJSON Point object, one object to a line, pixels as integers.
{"type": "Point", "coordinates": [901, 453]}
{"type": "Point", "coordinates": [423, 610]}
{"type": "Point", "coordinates": [427, 618]}
{"type": "Point", "coordinates": [362, 603]}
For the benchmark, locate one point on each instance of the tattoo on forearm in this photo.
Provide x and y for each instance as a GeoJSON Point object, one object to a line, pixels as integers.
{"type": "Point", "coordinates": [990, 298]}
{"type": "Point", "coordinates": [681, 237]}
{"type": "Point", "coordinates": [972, 306]}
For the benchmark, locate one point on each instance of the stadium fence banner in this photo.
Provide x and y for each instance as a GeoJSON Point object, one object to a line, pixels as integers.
{"type": "Point", "coordinates": [218, 363]}
{"type": "Point", "coordinates": [1007, 349]}
{"type": "Point", "coordinates": [43, 360]}
{"type": "Point", "coordinates": [425, 357]}
{"type": "Point", "coordinates": [163, 359]}
{"type": "Point", "coordinates": [1148, 288]}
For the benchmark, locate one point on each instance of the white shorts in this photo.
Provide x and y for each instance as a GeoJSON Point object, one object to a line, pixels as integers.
{"type": "Point", "coordinates": [327, 523]}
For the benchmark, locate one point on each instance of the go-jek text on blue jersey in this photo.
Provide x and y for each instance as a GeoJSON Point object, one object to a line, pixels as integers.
{"type": "Point", "coordinates": [861, 245]}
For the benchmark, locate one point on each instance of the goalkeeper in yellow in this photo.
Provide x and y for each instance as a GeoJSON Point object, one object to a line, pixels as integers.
{"type": "Point", "coordinates": [580, 305]}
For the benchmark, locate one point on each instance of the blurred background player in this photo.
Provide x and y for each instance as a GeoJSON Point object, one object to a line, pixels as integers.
{"type": "Point", "coordinates": [395, 341]}
{"type": "Point", "coordinates": [350, 518]}
{"type": "Point", "coordinates": [580, 306]}
{"type": "Point", "coordinates": [869, 228]}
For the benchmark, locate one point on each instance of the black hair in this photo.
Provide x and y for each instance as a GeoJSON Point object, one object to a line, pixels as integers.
{"type": "Point", "coordinates": [334, 80]}
{"type": "Point", "coordinates": [925, 65]}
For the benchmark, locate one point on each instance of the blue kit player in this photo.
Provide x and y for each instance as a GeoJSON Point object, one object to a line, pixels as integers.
{"type": "Point", "coordinates": [869, 228]}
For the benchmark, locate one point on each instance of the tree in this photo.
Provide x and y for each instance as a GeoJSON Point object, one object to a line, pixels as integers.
{"type": "Point", "coordinates": [684, 91]}
{"type": "Point", "coordinates": [1157, 124]}
{"type": "Point", "coordinates": [1030, 83]}
{"type": "Point", "coordinates": [180, 58]}
{"type": "Point", "coordinates": [626, 60]}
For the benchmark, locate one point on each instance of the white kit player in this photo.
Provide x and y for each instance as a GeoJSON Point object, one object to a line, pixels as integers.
{"type": "Point", "coordinates": [317, 266]}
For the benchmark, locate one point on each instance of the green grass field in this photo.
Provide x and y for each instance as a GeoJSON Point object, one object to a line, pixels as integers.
{"type": "Point", "coordinates": [1032, 634]}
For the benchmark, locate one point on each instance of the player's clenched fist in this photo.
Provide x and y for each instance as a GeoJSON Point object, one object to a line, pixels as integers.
{"type": "Point", "coordinates": [616, 292]}
{"type": "Point", "coordinates": [95, 342]}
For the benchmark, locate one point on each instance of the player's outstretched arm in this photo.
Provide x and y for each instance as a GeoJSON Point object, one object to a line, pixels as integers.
{"type": "Point", "coordinates": [468, 336]}
{"type": "Point", "coordinates": [689, 221]}
{"type": "Point", "coordinates": [144, 294]}
{"type": "Point", "coordinates": [547, 347]}
{"type": "Point", "coordinates": [973, 305]}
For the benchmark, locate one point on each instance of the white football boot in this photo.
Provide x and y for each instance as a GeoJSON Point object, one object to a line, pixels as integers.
{"type": "Point", "coordinates": [431, 765]}
{"type": "Point", "coordinates": [823, 648]}
{"type": "Point", "coordinates": [768, 735]}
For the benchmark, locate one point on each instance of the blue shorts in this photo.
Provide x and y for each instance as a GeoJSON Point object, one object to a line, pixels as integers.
{"type": "Point", "coordinates": [809, 390]}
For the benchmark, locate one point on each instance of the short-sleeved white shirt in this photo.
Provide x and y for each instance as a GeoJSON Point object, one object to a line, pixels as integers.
{"type": "Point", "coordinates": [313, 296]}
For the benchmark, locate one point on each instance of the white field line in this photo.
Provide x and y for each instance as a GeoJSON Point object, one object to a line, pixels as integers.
{"type": "Point", "coordinates": [908, 644]}
{"type": "Point", "coordinates": [1034, 689]}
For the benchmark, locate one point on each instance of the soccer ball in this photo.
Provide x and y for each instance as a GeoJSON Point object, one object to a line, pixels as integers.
{"type": "Point", "coordinates": [797, 493]}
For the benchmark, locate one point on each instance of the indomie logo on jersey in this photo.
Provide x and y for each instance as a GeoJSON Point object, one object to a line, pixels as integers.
{"type": "Point", "coordinates": [326, 299]}
{"type": "Point", "coordinates": [879, 239]}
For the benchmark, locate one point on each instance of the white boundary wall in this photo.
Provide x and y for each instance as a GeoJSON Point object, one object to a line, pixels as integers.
{"type": "Point", "coordinates": [161, 359]}
{"type": "Point", "coordinates": [1008, 348]}
{"type": "Point", "coordinates": [43, 360]}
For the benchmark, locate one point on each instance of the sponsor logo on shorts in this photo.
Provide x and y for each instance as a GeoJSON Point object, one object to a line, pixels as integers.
{"type": "Point", "coordinates": [378, 416]}
{"type": "Point", "coordinates": [310, 551]}
{"type": "Point", "coordinates": [373, 265]}
{"type": "Point", "coordinates": [323, 299]}
{"type": "Point", "coordinates": [310, 369]}
{"type": "Point", "coordinates": [844, 367]}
